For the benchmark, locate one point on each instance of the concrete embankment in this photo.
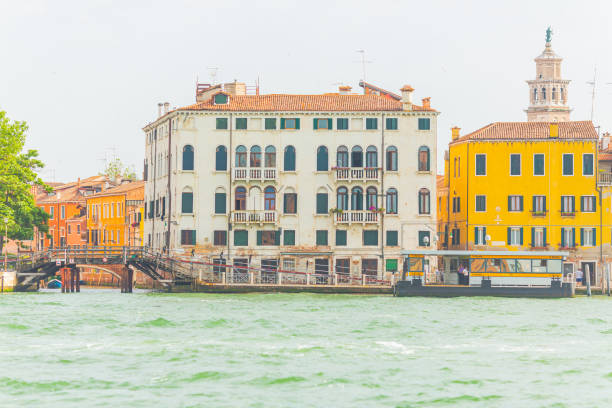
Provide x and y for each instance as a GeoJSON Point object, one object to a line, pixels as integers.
{"type": "Point", "coordinates": [338, 289]}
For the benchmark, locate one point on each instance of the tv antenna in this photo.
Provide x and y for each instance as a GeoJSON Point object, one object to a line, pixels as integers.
{"type": "Point", "coordinates": [212, 72]}
{"type": "Point", "coordinates": [363, 64]}
{"type": "Point", "coordinates": [593, 84]}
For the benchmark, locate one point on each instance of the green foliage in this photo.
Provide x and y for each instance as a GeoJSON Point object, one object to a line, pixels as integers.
{"type": "Point", "coordinates": [17, 176]}
{"type": "Point", "coordinates": [115, 168]}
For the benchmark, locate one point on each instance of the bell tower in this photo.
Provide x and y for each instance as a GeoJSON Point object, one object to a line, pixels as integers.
{"type": "Point", "coordinates": [548, 92]}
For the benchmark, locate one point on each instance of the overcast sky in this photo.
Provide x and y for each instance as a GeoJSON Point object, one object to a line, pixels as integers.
{"type": "Point", "coordinates": [87, 75]}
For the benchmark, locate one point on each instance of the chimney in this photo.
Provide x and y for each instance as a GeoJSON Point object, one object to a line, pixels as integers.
{"type": "Point", "coordinates": [407, 97]}
{"type": "Point", "coordinates": [344, 90]}
{"type": "Point", "coordinates": [605, 141]}
{"type": "Point", "coordinates": [159, 109]}
{"type": "Point", "coordinates": [426, 103]}
{"type": "Point", "coordinates": [554, 130]}
{"type": "Point", "coordinates": [455, 133]}
{"type": "Point", "coordinates": [166, 107]}
{"type": "Point", "coordinates": [235, 88]}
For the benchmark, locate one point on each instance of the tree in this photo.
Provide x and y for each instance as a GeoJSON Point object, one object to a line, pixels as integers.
{"type": "Point", "coordinates": [115, 168]}
{"type": "Point", "coordinates": [17, 177]}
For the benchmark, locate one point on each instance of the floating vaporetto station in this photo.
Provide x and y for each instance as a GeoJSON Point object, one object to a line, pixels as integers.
{"type": "Point", "coordinates": [485, 273]}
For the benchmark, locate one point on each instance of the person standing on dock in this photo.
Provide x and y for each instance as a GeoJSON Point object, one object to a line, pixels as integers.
{"type": "Point", "coordinates": [579, 276]}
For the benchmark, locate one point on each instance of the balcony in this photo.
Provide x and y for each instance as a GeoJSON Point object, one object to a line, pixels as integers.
{"type": "Point", "coordinates": [604, 179]}
{"type": "Point", "coordinates": [568, 213]}
{"type": "Point", "coordinates": [255, 217]}
{"type": "Point", "coordinates": [255, 174]}
{"type": "Point", "coordinates": [356, 217]}
{"type": "Point", "coordinates": [542, 213]}
{"type": "Point", "coordinates": [356, 173]}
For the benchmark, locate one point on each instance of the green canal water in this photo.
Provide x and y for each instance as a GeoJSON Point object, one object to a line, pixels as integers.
{"type": "Point", "coordinates": [101, 348]}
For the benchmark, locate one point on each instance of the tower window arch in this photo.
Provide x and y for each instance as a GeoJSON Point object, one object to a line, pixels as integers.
{"type": "Point", "coordinates": [554, 94]}
{"type": "Point", "coordinates": [188, 157]}
{"type": "Point", "coordinates": [255, 156]}
{"type": "Point", "coordinates": [544, 94]}
{"type": "Point", "coordinates": [241, 156]}
{"type": "Point", "coordinates": [535, 94]}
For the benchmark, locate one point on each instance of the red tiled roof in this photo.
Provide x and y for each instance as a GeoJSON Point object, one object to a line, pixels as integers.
{"type": "Point", "coordinates": [531, 130]}
{"type": "Point", "coordinates": [605, 156]}
{"type": "Point", "coordinates": [120, 189]}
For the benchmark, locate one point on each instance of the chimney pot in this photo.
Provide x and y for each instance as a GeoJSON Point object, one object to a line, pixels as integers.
{"type": "Point", "coordinates": [407, 97]}
{"type": "Point", "coordinates": [455, 132]}
{"type": "Point", "coordinates": [426, 103]}
{"type": "Point", "coordinates": [166, 107]}
{"type": "Point", "coordinates": [344, 90]}
{"type": "Point", "coordinates": [159, 109]}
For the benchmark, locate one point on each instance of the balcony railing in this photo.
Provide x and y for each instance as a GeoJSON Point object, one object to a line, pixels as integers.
{"type": "Point", "coordinates": [255, 174]}
{"type": "Point", "coordinates": [604, 179]}
{"type": "Point", "coordinates": [356, 217]}
{"type": "Point", "coordinates": [255, 217]}
{"type": "Point", "coordinates": [356, 173]}
{"type": "Point", "coordinates": [536, 213]}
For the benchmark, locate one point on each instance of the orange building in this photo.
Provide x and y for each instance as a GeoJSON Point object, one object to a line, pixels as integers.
{"type": "Point", "coordinates": [114, 217]}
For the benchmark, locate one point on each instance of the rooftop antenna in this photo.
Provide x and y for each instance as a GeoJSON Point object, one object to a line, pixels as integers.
{"type": "Point", "coordinates": [593, 83]}
{"type": "Point", "coordinates": [363, 64]}
{"type": "Point", "coordinates": [212, 71]}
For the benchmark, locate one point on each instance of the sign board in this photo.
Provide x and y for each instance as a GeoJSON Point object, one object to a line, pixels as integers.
{"type": "Point", "coordinates": [58, 262]}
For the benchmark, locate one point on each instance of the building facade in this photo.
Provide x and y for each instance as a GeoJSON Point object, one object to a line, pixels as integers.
{"type": "Point", "coordinates": [334, 182]}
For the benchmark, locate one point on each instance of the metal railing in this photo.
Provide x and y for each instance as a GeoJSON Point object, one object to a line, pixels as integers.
{"type": "Point", "coordinates": [356, 173]}
{"type": "Point", "coordinates": [255, 174]}
{"type": "Point", "coordinates": [255, 217]}
{"type": "Point", "coordinates": [356, 216]}
{"type": "Point", "coordinates": [604, 179]}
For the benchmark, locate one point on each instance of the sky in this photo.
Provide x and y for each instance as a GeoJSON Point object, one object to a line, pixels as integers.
{"type": "Point", "coordinates": [87, 75]}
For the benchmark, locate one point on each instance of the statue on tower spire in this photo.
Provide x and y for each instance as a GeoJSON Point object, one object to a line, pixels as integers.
{"type": "Point", "coordinates": [548, 34]}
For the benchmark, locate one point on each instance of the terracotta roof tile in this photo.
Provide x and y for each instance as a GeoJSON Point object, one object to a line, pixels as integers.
{"type": "Point", "coordinates": [120, 189]}
{"type": "Point", "coordinates": [531, 130]}
{"type": "Point", "coordinates": [604, 156]}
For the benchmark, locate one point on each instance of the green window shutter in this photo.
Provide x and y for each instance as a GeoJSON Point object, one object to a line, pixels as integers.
{"type": "Point", "coordinates": [187, 203]}
{"type": "Point", "coordinates": [532, 236]}
{"type": "Point", "coordinates": [277, 236]}
{"type": "Point", "coordinates": [573, 203]}
{"type": "Point", "coordinates": [370, 237]}
{"type": "Point", "coordinates": [594, 237]}
{"type": "Point", "coordinates": [330, 124]}
{"type": "Point", "coordinates": [297, 123]}
{"type": "Point", "coordinates": [544, 236]}
{"type": "Point", "coordinates": [574, 236]}
{"type": "Point", "coordinates": [270, 123]}
{"type": "Point", "coordinates": [544, 202]}
{"type": "Point", "coordinates": [424, 124]}
{"type": "Point", "coordinates": [484, 236]}
{"type": "Point", "coordinates": [391, 265]}
{"type": "Point", "coordinates": [392, 238]}
{"type": "Point", "coordinates": [241, 238]}
{"type": "Point", "coordinates": [322, 203]}
{"type": "Point", "coordinates": [521, 242]}
{"type": "Point", "coordinates": [315, 123]}
{"type": "Point", "coordinates": [509, 235]}
{"type": "Point", "coordinates": [533, 203]}
{"type": "Point", "coordinates": [581, 204]}
{"type": "Point", "coordinates": [259, 237]}
{"type": "Point", "coordinates": [509, 203]}
{"type": "Point", "coordinates": [340, 237]}
{"type": "Point", "coordinates": [289, 237]}
{"type": "Point", "coordinates": [220, 203]}
{"type": "Point", "coordinates": [475, 235]}
{"type": "Point", "coordinates": [282, 123]}
{"type": "Point", "coordinates": [321, 237]}
{"type": "Point", "coordinates": [563, 237]}
{"type": "Point", "coordinates": [241, 123]}
{"type": "Point", "coordinates": [221, 123]}
{"type": "Point", "coordinates": [285, 203]}
{"type": "Point", "coordinates": [521, 203]}
{"type": "Point", "coordinates": [581, 236]}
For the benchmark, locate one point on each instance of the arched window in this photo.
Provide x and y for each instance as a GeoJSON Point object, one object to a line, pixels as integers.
{"type": "Point", "coordinates": [357, 199]}
{"type": "Point", "coordinates": [356, 157]}
{"type": "Point", "coordinates": [342, 198]}
{"type": "Point", "coordinates": [241, 156]}
{"type": "Point", "coordinates": [423, 201]}
{"type": "Point", "coordinates": [270, 159]}
{"type": "Point", "coordinates": [187, 157]}
{"type": "Point", "coordinates": [187, 202]}
{"type": "Point", "coordinates": [391, 201]}
{"type": "Point", "coordinates": [554, 94]}
{"type": "Point", "coordinates": [240, 198]}
{"type": "Point", "coordinates": [544, 94]}
{"type": "Point", "coordinates": [342, 160]}
{"type": "Point", "coordinates": [322, 158]}
{"type": "Point", "coordinates": [392, 158]}
{"type": "Point", "coordinates": [535, 94]}
{"type": "Point", "coordinates": [423, 158]}
{"type": "Point", "coordinates": [255, 156]}
{"type": "Point", "coordinates": [289, 158]}
{"type": "Point", "coordinates": [371, 157]}
{"type": "Point", "coordinates": [562, 97]}
{"type": "Point", "coordinates": [269, 198]}
{"type": "Point", "coordinates": [371, 198]}
{"type": "Point", "coordinates": [221, 158]}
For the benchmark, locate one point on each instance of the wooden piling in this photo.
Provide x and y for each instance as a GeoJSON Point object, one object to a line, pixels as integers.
{"type": "Point", "coordinates": [78, 279]}
{"type": "Point", "coordinates": [63, 277]}
{"type": "Point", "coordinates": [131, 280]}
{"type": "Point", "coordinates": [72, 280]}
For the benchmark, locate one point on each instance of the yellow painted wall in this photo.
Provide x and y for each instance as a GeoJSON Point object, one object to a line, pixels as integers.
{"type": "Point", "coordinates": [106, 220]}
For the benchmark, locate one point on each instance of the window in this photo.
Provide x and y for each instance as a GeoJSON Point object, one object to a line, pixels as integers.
{"type": "Point", "coordinates": [456, 204]}
{"type": "Point", "coordinates": [538, 237]}
{"type": "Point", "coordinates": [220, 203]}
{"type": "Point", "coordinates": [370, 237]}
{"type": "Point", "coordinates": [62, 212]}
{"type": "Point", "coordinates": [221, 123]}
{"type": "Point", "coordinates": [269, 198]}
{"type": "Point", "coordinates": [290, 123]}
{"type": "Point", "coordinates": [270, 123]}
{"type": "Point", "coordinates": [539, 204]}
{"type": "Point", "coordinates": [187, 203]}
{"type": "Point", "coordinates": [455, 236]}
{"type": "Point", "coordinates": [290, 203]}
{"type": "Point", "coordinates": [515, 203]}
{"type": "Point", "coordinates": [322, 158]}
{"type": "Point", "coordinates": [187, 157]}
{"type": "Point", "coordinates": [391, 265]}
{"type": "Point", "coordinates": [78, 228]}
{"type": "Point", "coordinates": [369, 267]}
{"type": "Point", "coordinates": [424, 239]}
{"type": "Point", "coordinates": [289, 158]}
{"type": "Point", "coordinates": [481, 164]}
{"type": "Point", "coordinates": [481, 203]}
{"type": "Point", "coordinates": [371, 123]}
{"type": "Point", "coordinates": [587, 203]}
{"type": "Point", "coordinates": [371, 198]}
{"type": "Point", "coordinates": [568, 164]}
{"type": "Point", "coordinates": [343, 265]}
{"type": "Point", "coordinates": [424, 124]}
{"type": "Point", "coordinates": [240, 197]}
{"type": "Point", "coordinates": [544, 94]}
{"type": "Point", "coordinates": [220, 237]}
{"type": "Point", "coordinates": [255, 156]}
{"type": "Point", "coordinates": [356, 157]}
{"type": "Point", "coordinates": [423, 158]}
{"type": "Point", "coordinates": [188, 237]}
{"type": "Point", "coordinates": [480, 234]}
{"type": "Point", "coordinates": [268, 238]}
{"type": "Point", "coordinates": [587, 236]}
{"type": "Point", "coordinates": [241, 238]}
{"type": "Point", "coordinates": [371, 157]}
{"type": "Point", "coordinates": [342, 198]}
{"type": "Point", "coordinates": [342, 160]}
{"type": "Point", "coordinates": [515, 164]}
{"type": "Point", "coordinates": [241, 156]}
{"type": "Point", "coordinates": [392, 238]}
{"type": "Point", "coordinates": [321, 203]}
{"type": "Point", "coordinates": [587, 164]}
{"type": "Point", "coordinates": [270, 157]}
{"type": "Point", "coordinates": [221, 158]}
{"type": "Point", "coordinates": [241, 123]}
{"type": "Point", "coordinates": [568, 205]}
{"type": "Point", "coordinates": [568, 237]}
{"type": "Point", "coordinates": [321, 237]}
{"type": "Point", "coordinates": [340, 237]}
{"type": "Point", "coordinates": [356, 199]}
{"type": "Point", "coordinates": [423, 201]}
{"type": "Point", "coordinates": [342, 124]}
{"type": "Point", "coordinates": [392, 158]}
{"type": "Point", "coordinates": [322, 124]}
{"type": "Point", "coordinates": [538, 164]}
{"type": "Point", "coordinates": [392, 201]}
{"type": "Point", "coordinates": [220, 99]}
{"type": "Point", "coordinates": [515, 236]}
{"type": "Point", "coordinates": [289, 237]}
{"type": "Point", "coordinates": [391, 123]}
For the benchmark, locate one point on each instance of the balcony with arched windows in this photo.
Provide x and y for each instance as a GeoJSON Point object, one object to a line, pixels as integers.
{"type": "Point", "coordinates": [352, 167]}
{"type": "Point", "coordinates": [253, 165]}
{"type": "Point", "coordinates": [254, 205]}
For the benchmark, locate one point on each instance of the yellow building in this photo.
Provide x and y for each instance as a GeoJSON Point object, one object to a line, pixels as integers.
{"type": "Point", "coordinates": [526, 185]}
{"type": "Point", "coordinates": [114, 216]}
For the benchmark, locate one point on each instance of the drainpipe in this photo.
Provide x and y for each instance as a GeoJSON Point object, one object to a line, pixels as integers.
{"type": "Point", "coordinates": [154, 184]}
{"type": "Point", "coordinates": [229, 190]}
{"type": "Point", "coordinates": [169, 215]}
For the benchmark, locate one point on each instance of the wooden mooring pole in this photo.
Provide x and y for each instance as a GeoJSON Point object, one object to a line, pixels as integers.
{"type": "Point", "coordinates": [78, 279]}
{"type": "Point", "coordinates": [63, 276]}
